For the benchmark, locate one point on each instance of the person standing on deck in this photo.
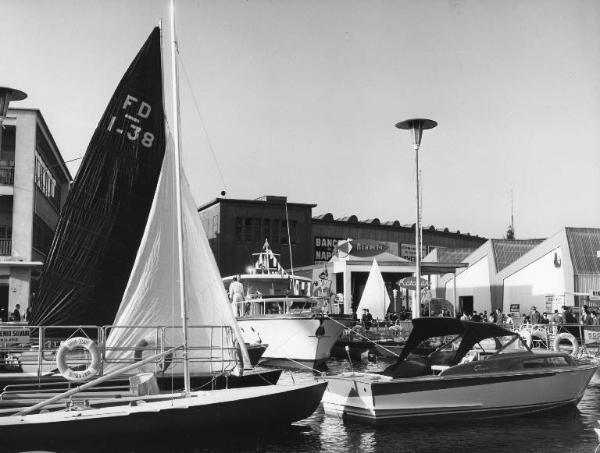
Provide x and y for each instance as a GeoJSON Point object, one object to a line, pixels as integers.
{"type": "Point", "coordinates": [236, 295]}
{"type": "Point", "coordinates": [536, 318]}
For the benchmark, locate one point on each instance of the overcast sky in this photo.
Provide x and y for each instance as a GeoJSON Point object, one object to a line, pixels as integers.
{"type": "Point", "coordinates": [300, 98]}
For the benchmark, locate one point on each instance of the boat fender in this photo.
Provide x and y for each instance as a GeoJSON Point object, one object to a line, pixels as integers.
{"type": "Point", "coordinates": [569, 337]}
{"type": "Point", "coordinates": [527, 338]}
{"type": "Point", "coordinates": [144, 344]}
{"type": "Point", "coordinates": [320, 330]}
{"type": "Point", "coordinates": [74, 343]}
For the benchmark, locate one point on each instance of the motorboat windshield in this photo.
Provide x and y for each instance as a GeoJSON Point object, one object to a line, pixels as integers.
{"type": "Point", "coordinates": [453, 338]}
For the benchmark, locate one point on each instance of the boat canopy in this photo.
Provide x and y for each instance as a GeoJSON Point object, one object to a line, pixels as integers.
{"type": "Point", "coordinates": [471, 333]}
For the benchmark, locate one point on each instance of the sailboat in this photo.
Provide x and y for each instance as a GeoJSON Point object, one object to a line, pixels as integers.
{"type": "Point", "coordinates": [85, 277]}
{"type": "Point", "coordinates": [179, 247]}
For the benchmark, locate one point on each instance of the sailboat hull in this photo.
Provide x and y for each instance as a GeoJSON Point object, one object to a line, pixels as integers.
{"type": "Point", "coordinates": [202, 414]}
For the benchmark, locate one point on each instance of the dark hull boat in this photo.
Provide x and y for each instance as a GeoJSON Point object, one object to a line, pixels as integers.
{"type": "Point", "coordinates": [24, 393]}
{"type": "Point", "coordinates": [473, 375]}
{"type": "Point", "coordinates": [200, 414]}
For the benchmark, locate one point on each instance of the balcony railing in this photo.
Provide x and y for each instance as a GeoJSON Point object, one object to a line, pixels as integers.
{"type": "Point", "coordinates": [5, 247]}
{"type": "Point", "coordinates": [7, 175]}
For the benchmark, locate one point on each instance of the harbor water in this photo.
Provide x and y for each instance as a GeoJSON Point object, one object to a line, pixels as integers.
{"type": "Point", "coordinates": [564, 430]}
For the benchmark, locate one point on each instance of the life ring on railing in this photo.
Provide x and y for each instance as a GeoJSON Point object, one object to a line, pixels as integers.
{"type": "Point", "coordinates": [69, 345]}
{"type": "Point", "coordinates": [145, 344]}
{"type": "Point", "coordinates": [527, 337]}
{"type": "Point", "coordinates": [571, 338]}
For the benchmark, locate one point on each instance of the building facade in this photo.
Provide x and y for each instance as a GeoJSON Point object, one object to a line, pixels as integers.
{"type": "Point", "coordinates": [237, 228]}
{"type": "Point", "coordinates": [34, 182]}
{"type": "Point", "coordinates": [516, 275]}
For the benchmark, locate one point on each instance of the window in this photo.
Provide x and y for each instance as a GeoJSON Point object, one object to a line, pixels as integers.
{"type": "Point", "coordinates": [215, 222]}
{"type": "Point", "coordinates": [42, 235]}
{"type": "Point", "coordinates": [283, 233]}
{"type": "Point", "coordinates": [247, 229]}
{"type": "Point", "coordinates": [238, 229]}
{"type": "Point", "coordinates": [275, 231]}
{"type": "Point", "coordinates": [266, 230]}
{"type": "Point", "coordinates": [293, 225]}
{"type": "Point", "coordinates": [45, 181]}
{"type": "Point", "coordinates": [5, 231]}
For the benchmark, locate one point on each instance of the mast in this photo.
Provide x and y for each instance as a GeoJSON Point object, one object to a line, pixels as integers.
{"type": "Point", "coordinates": [177, 140]}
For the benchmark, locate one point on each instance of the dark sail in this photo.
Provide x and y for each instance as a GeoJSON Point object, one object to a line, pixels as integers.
{"type": "Point", "coordinates": [102, 223]}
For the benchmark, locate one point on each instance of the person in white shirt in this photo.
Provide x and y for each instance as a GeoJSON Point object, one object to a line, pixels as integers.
{"type": "Point", "coordinates": [236, 294]}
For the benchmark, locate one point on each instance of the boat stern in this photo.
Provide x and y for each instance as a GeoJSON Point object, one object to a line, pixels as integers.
{"type": "Point", "coordinates": [350, 395]}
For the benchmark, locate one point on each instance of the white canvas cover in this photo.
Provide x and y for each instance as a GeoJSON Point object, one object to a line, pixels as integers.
{"type": "Point", "coordinates": [152, 295]}
{"type": "Point", "coordinates": [375, 296]}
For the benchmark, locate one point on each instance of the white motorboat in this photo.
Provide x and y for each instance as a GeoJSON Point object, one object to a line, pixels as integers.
{"type": "Point", "coordinates": [478, 373]}
{"type": "Point", "coordinates": [166, 279]}
{"type": "Point", "coordinates": [278, 310]}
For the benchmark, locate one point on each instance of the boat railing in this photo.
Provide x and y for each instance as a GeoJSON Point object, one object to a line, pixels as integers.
{"type": "Point", "coordinates": [379, 330]}
{"type": "Point", "coordinates": [33, 349]}
{"type": "Point", "coordinates": [293, 305]}
{"type": "Point", "coordinates": [209, 348]}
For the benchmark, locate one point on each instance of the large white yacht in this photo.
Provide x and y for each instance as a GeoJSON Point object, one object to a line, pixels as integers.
{"type": "Point", "coordinates": [278, 310]}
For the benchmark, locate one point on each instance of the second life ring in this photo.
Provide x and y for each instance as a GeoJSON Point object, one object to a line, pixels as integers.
{"type": "Point", "coordinates": [74, 343]}
{"type": "Point", "coordinates": [144, 345]}
{"type": "Point", "coordinates": [568, 337]}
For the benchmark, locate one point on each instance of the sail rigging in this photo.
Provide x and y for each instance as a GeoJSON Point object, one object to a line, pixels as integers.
{"type": "Point", "coordinates": [103, 220]}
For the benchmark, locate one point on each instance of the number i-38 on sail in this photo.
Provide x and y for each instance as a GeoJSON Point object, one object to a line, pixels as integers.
{"type": "Point", "coordinates": [132, 131]}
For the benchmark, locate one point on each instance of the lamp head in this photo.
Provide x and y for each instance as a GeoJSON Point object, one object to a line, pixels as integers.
{"type": "Point", "coordinates": [416, 126]}
{"type": "Point", "coordinates": [6, 96]}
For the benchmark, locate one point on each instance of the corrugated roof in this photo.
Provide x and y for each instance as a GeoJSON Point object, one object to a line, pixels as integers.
{"type": "Point", "coordinates": [584, 243]}
{"type": "Point", "coordinates": [445, 255]}
{"type": "Point", "coordinates": [507, 251]}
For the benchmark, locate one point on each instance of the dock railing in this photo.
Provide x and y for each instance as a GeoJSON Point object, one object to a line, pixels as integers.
{"type": "Point", "coordinates": [586, 336]}
{"type": "Point", "coordinates": [33, 349]}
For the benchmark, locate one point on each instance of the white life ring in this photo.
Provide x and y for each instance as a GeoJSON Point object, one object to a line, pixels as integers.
{"type": "Point", "coordinates": [145, 344]}
{"type": "Point", "coordinates": [527, 337]}
{"type": "Point", "coordinates": [69, 345]}
{"type": "Point", "coordinates": [571, 338]}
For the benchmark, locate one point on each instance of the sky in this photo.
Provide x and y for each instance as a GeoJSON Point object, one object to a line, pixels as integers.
{"type": "Point", "coordinates": [300, 98]}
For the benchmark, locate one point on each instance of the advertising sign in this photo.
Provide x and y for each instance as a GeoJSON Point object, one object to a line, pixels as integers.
{"type": "Point", "coordinates": [591, 335]}
{"type": "Point", "coordinates": [409, 252]}
{"type": "Point", "coordinates": [411, 283]}
{"type": "Point", "coordinates": [13, 336]}
{"type": "Point", "coordinates": [514, 308]}
{"type": "Point", "coordinates": [367, 247]}
{"type": "Point", "coordinates": [324, 247]}
{"type": "Point", "coordinates": [554, 302]}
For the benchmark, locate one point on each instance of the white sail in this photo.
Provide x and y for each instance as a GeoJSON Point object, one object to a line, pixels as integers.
{"type": "Point", "coordinates": [375, 296]}
{"type": "Point", "coordinates": [152, 296]}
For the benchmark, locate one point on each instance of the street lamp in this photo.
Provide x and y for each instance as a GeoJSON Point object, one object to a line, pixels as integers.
{"type": "Point", "coordinates": [6, 96]}
{"type": "Point", "coordinates": [417, 126]}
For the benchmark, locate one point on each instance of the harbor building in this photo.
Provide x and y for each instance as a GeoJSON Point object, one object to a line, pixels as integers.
{"type": "Point", "coordinates": [237, 228]}
{"type": "Point", "coordinates": [34, 182]}
{"type": "Point", "coordinates": [516, 275]}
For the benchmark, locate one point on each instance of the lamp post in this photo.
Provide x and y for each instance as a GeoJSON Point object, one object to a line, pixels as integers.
{"type": "Point", "coordinates": [417, 126]}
